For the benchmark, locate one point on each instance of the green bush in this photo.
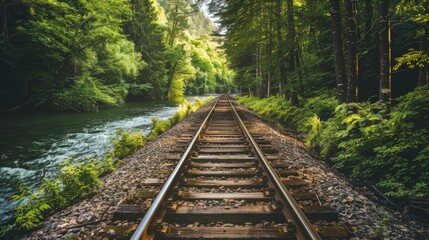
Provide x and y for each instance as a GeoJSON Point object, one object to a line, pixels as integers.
{"type": "Point", "coordinates": [159, 127]}
{"type": "Point", "coordinates": [393, 152]}
{"type": "Point", "coordinates": [406, 151]}
{"type": "Point", "coordinates": [78, 180]}
{"type": "Point", "coordinates": [348, 137]}
{"type": "Point", "coordinates": [276, 109]}
{"type": "Point", "coordinates": [314, 138]}
{"type": "Point", "coordinates": [73, 182]}
{"type": "Point", "coordinates": [127, 143]}
{"type": "Point", "coordinates": [108, 165]}
{"type": "Point", "coordinates": [362, 139]}
{"type": "Point", "coordinates": [30, 214]}
{"type": "Point", "coordinates": [323, 106]}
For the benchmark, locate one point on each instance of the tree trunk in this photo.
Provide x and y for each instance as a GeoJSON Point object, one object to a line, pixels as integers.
{"type": "Point", "coordinates": [340, 69]}
{"type": "Point", "coordinates": [294, 98]}
{"type": "Point", "coordinates": [291, 35]}
{"type": "Point", "coordinates": [424, 46]}
{"type": "Point", "coordinates": [269, 56]}
{"type": "Point", "coordinates": [170, 79]}
{"type": "Point", "coordinates": [385, 53]}
{"type": "Point", "coordinates": [269, 46]}
{"type": "Point", "coordinates": [282, 68]}
{"type": "Point", "coordinates": [367, 44]}
{"type": "Point", "coordinates": [174, 26]}
{"type": "Point", "coordinates": [261, 87]}
{"type": "Point", "coordinates": [352, 57]}
{"type": "Point", "coordinates": [298, 66]}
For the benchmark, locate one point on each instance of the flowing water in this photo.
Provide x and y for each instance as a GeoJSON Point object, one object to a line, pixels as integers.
{"type": "Point", "coordinates": [33, 145]}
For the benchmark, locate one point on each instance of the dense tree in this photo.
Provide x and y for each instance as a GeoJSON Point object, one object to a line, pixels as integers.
{"type": "Point", "coordinates": [145, 29]}
{"type": "Point", "coordinates": [282, 47]}
{"type": "Point", "coordinates": [76, 55]}
{"type": "Point", "coordinates": [329, 50]}
{"type": "Point", "coordinates": [70, 55]}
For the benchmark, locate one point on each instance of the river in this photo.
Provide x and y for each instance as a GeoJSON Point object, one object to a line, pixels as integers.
{"type": "Point", "coordinates": [33, 145]}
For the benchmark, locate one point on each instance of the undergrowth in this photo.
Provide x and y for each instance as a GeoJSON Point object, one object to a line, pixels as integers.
{"type": "Point", "coordinates": [79, 179]}
{"type": "Point", "coordinates": [276, 109]}
{"type": "Point", "coordinates": [362, 139]}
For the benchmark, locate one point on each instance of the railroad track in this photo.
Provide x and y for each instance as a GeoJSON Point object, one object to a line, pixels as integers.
{"type": "Point", "coordinates": [229, 184]}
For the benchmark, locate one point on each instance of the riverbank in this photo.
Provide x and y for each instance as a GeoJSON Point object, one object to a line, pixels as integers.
{"type": "Point", "coordinates": [33, 146]}
{"type": "Point", "coordinates": [89, 217]}
{"type": "Point", "coordinates": [92, 218]}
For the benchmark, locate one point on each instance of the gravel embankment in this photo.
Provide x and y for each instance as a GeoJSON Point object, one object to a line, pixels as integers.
{"type": "Point", "coordinates": [90, 218]}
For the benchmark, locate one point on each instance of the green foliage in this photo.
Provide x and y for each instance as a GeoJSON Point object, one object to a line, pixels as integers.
{"type": "Point", "coordinates": [88, 56]}
{"type": "Point", "coordinates": [79, 55]}
{"type": "Point", "coordinates": [393, 152]}
{"type": "Point", "coordinates": [146, 31]}
{"type": "Point", "coordinates": [159, 127]}
{"type": "Point", "coordinates": [362, 139]}
{"type": "Point", "coordinates": [5, 229]}
{"type": "Point", "coordinates": [78, 180]}
{"type": "Point", "coordinates": [30, 214]}
{"type": "Point", "coordinates": [349, 135]}
{"type": "Point", "coordinates": [212, 74]}
{"type": "Point", "coordinates": [86, 95]}
{"type": "Point", "coordinates": [412, 59]}
{"type": "Point", "coordinates": [294, 118]}
{"type": "Point", "coordinates": [314, 138]}
{"type": "Point", "coordinates": [73, 181]}
{"type": "Point", "coordinates": [127, 143]}
{"type": "Point", "coordinates": [323, 106]}
{"type": "Point", "coordinates": [108, 164]}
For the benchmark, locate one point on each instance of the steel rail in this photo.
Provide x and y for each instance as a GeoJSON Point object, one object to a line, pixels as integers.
{"type": "Point", "coordinates": [142, 229]}
{"type": "Point", "coordinates": [298, 214]}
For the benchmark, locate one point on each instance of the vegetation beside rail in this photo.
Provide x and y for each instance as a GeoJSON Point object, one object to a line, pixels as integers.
{"type": "Point", "coordinates": [78, 179]}
{"type": "Point", "coordinates": [362, 139]}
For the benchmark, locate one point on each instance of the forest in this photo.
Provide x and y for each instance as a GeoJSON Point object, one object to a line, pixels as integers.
{"type": "Point", "coordinates": [347, 77]}
{"type": "Point", "coordinates": [81, 55]}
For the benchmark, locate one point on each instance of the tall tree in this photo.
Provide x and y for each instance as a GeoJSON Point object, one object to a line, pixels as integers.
{"type": "Point", "coordinates": [385, 53]}
{"type": "Point", "coordinates": [269, 34]}
{"type": "Point", "coordinates": [292, 47]}
{"type": "Point", "coordinates": [352, 56]}
{"type": "Point", "coordinates": [280, 47]}
{"type": "Point", "coordinates": [146, 33]}
{"type": "Point", "coordinates": [340, 69]}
